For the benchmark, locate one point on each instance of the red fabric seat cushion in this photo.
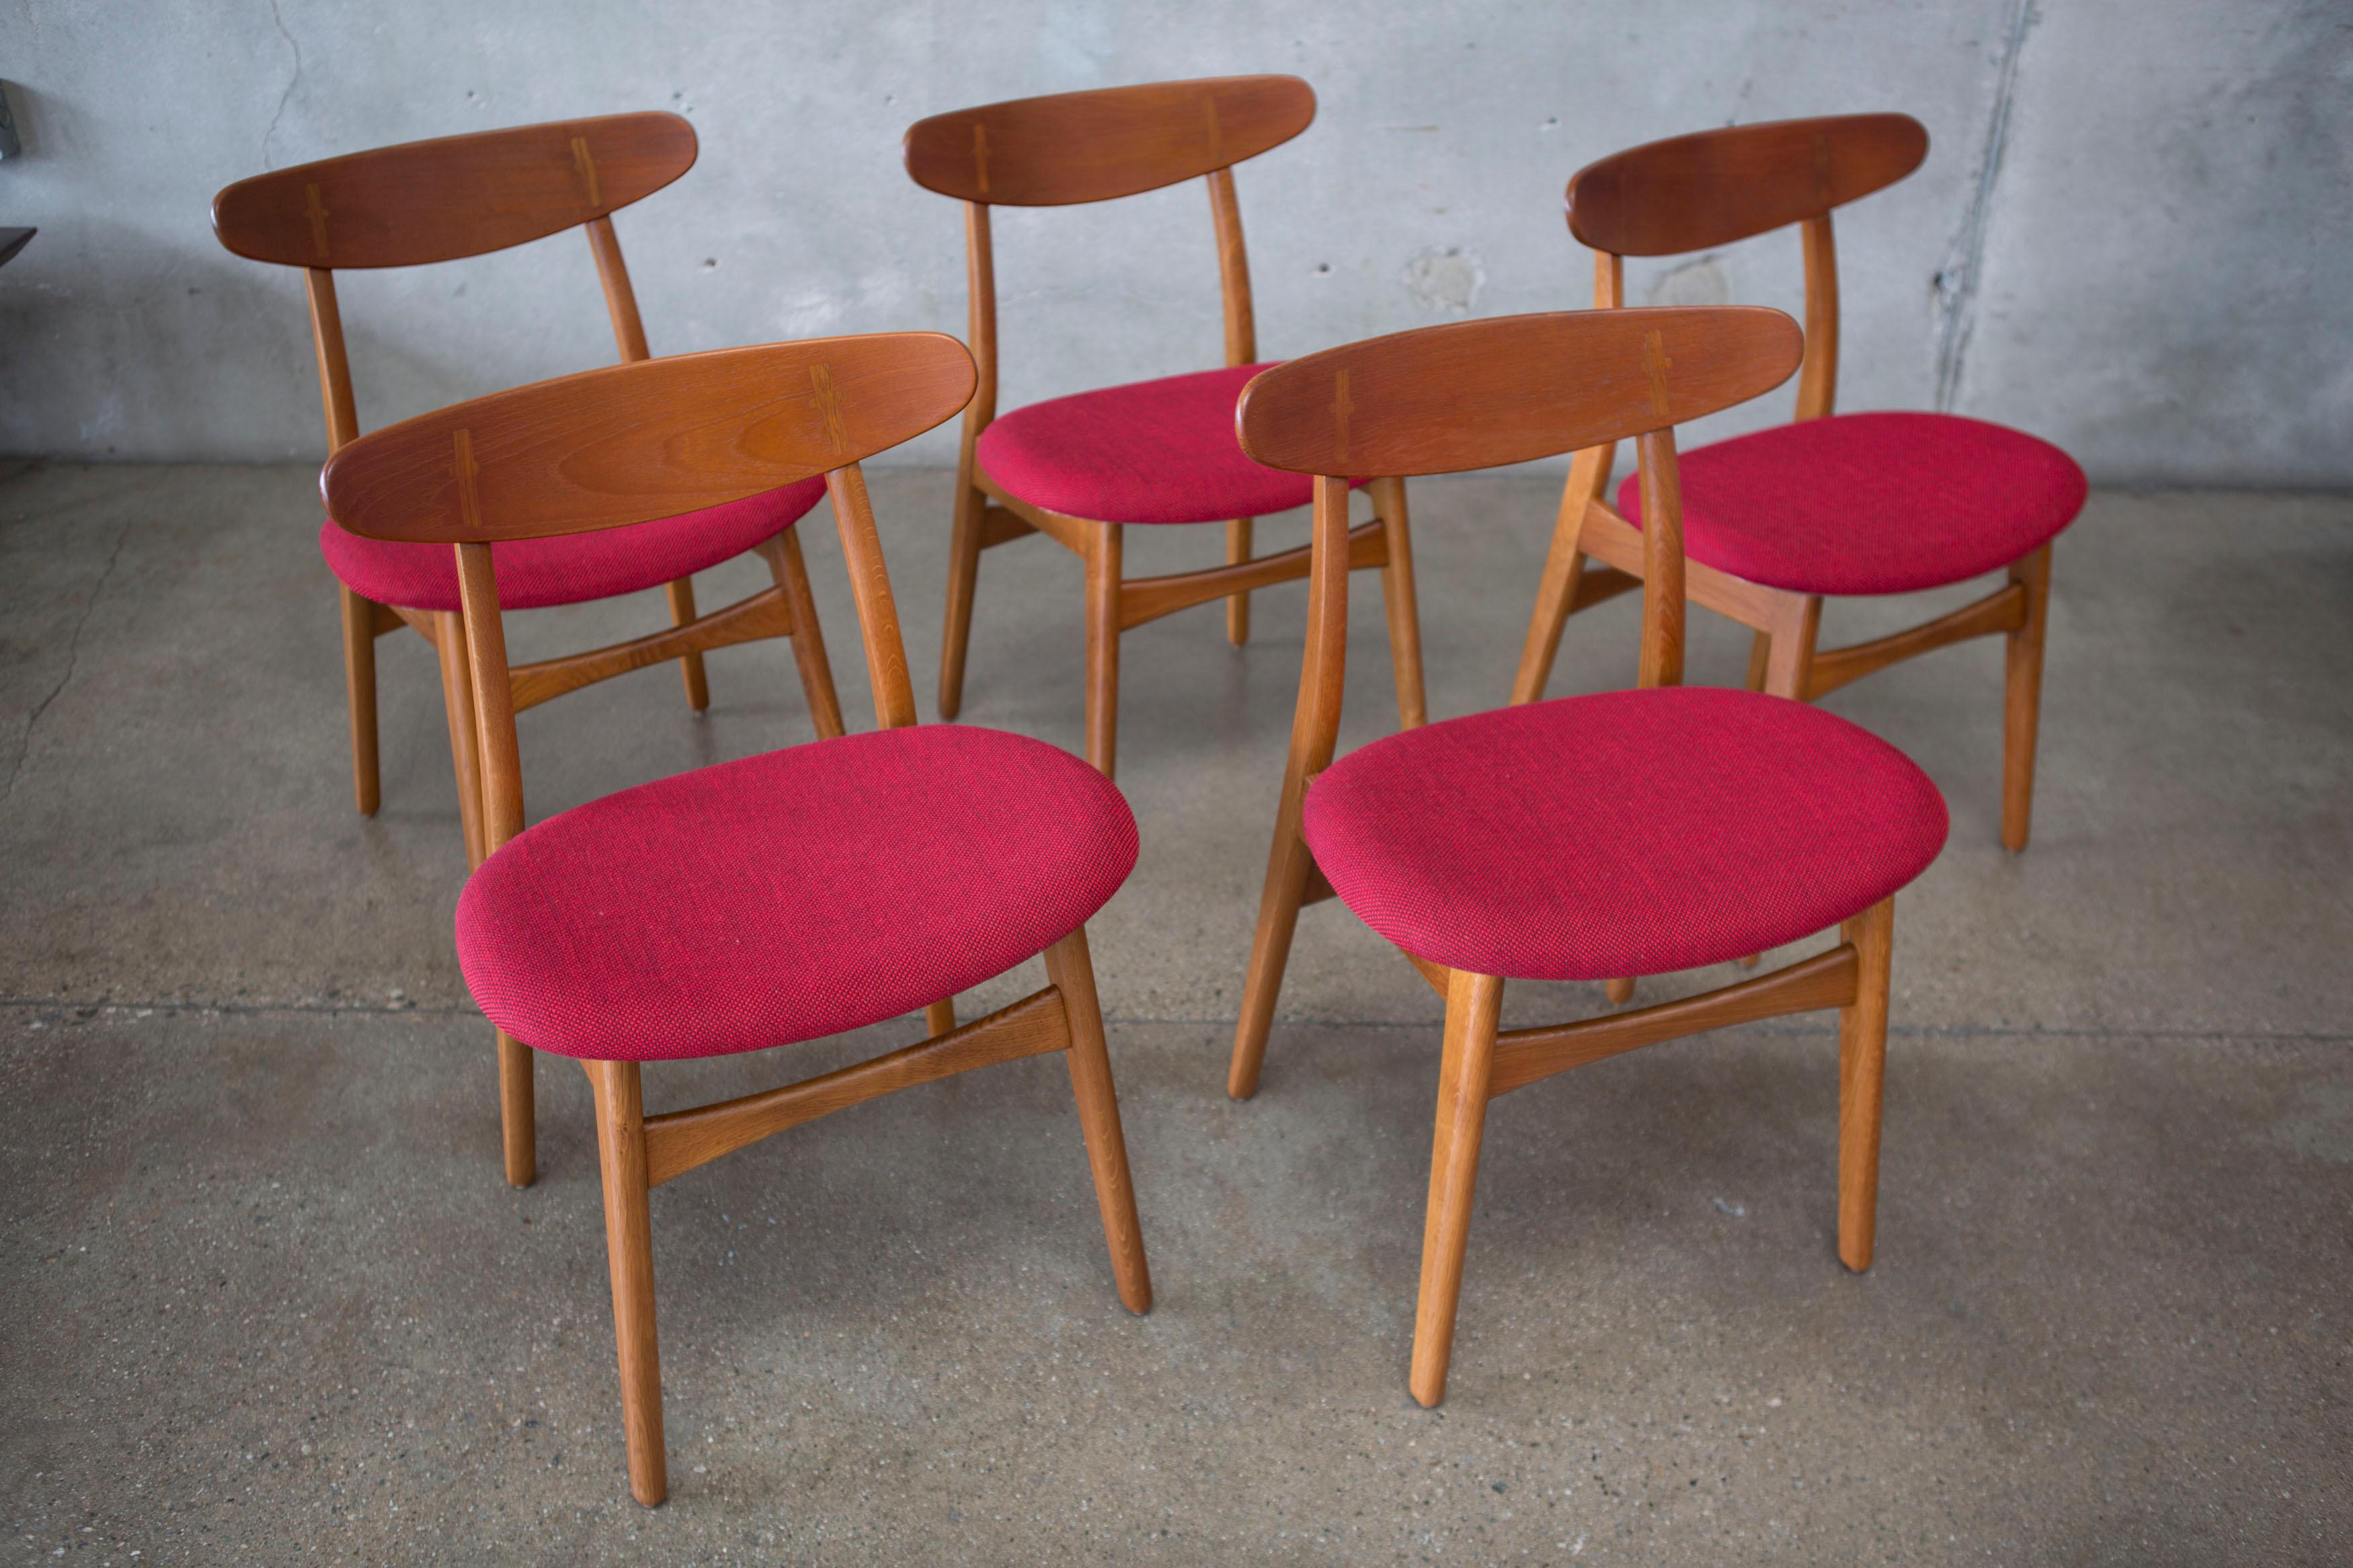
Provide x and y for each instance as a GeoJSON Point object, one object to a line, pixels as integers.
{"type": "Point", "coordinates": [1153, 451]}
{"type": "Point", "coordinates": [1871, 503]}
{"type": "Point", "coordinates": [790, 895]}
{"type": "Point", "coordinates": [1631, 833]}
{"type": "Point", "coordinates": [572, 568]}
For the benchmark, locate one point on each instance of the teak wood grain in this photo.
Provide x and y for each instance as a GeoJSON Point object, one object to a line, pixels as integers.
{"type": "Point", "coordinates": [1713, 187]}
{"type": "Point", "coordinates": [1469, 395]}
{"type": "Point", "coordinates": [454, 196]}
{"type": "Point", "coordinates": [712, 424]}
{"type": "Point", "coordinates": [1093, 146]}
{"type": "Point", "coordinates": [631, 443]}
{"type": "Point", "coordinates": [1096, 146]}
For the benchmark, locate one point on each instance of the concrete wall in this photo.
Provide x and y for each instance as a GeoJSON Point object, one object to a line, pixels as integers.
{"type": "Point", "coordinates": [2128, 236]}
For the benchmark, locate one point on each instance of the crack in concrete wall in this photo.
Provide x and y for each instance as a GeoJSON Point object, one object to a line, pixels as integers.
{"type": "Point", "coordinates": [1956, 282]}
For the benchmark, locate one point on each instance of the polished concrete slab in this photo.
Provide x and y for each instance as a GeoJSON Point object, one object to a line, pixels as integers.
{"type": "Point", "coordinates": [271, 1301]}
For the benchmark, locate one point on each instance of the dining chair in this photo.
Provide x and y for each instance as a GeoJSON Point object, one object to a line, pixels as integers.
{"type": "Point", "coordinates": [1829, 505]}
{"type": "Point", "coordinates": [767, 901]}
{"type": "Point", "coordinates": [1081, 468]}
{"type": "Point", "coordinates": [468, 195]}
{"type": "Point", "coordinates": [1630, 833]}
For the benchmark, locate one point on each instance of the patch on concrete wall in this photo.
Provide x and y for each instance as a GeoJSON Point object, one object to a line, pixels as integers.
{"type": "Point", "coordinates": [1447, 281]}
{"type": "Point", "coordinates": [1700, 282]}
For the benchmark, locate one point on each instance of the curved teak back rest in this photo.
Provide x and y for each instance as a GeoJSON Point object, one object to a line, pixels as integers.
{"type": "Point", "coordinates": [1074, 147]}
{"type": "Point", "coordinates": [635, 442]}
{"type": "Point", "coordinates": [457, 196]}
{"type": "Point", "coordinates": [1713, 187]}
{"type": "Point", "coordinates": [1474, 395]}
{"type": "Point", "coordinates": [452, 197]}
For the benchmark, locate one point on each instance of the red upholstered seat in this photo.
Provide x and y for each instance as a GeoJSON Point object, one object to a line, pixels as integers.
{"type": "Point", "coordinates": [573, 568]}
{"type": "Point", "coordinates": [1631, 833]}
{"type": "Point", "coordinates": [1155, 451]}
{"type": "Point", "coordinates": [1872, 503]}
{"type": "Point", "coordinates": [790, 895]}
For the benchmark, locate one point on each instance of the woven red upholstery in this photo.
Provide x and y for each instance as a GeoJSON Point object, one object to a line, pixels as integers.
{"type": "Point", "coordinates": [1632, 833]}
{"type": "Point", "coordinates": [572, 568]}
{"type": "Point", "coordinates": [1872, 503]}
{"type": "Point", "coordinates": [1155, 451]}
{"type": "Point", "coordinates": [791, 895]}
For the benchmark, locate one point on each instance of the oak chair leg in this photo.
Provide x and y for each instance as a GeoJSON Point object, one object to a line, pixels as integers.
{"type": "Point", "coordinates": [1862, 1074]}
{"type": "Point", "coordinates": [457, 705]}
{"type": "Point", "coordinates": [1238, 550]}
{"type": "Point", "coordinates": [518, 1120]}
{"type": "Point", "coordinates": [1474, 1003]}
{"type": "Point", "coordinates": [2022, 699]}
{"type": "Point", "coordinates": [1102, 648]}
{"type": "Point", "coordinates": [359, 687]}
{"type": "Point", "coordinates": [964, 577]}
{"type": "Point", "coordinates": [681, 611]}
{"type": "Point", "coordinates": [1760, 653]}
{"type": "Point", "coordinates": [1398, 595]}
{"type": "Point", "coordinates": [939, 1016]}
{"type": "Point", "coordinates": [1277, 918]}
{"type": "Point", "coordinates": [791, 573]}
{"type": "Point", "coordinates": [1619, 991]}
{"type": "Point", "coordinates": [1072, 974]}
{"type": "Point", "coordinates": [628, 1249]}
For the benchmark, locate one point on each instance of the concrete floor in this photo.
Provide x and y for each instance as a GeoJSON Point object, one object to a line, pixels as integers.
{"type": "Point", "coordinates": [268, 1299]}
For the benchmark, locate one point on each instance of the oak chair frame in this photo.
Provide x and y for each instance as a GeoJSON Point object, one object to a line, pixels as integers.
{"type": "Point", "coordinates": [1697, 192]}
{"type": "Point", "coordinates": [1078, 147]}
{"type": "Point", "coordinates": [1480, 394]}
{"type": "Point", "coordinates": [602, 449]}
{"type": "Point", "coordinates": [458, 196]}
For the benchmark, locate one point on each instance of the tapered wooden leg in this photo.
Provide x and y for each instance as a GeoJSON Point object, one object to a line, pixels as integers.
{"type": "Point", "coordinates": [1556, 591]}
{"type": "Point", "coordinates": [359, 690]}
{"type": "Point", "coordinates": [940, 1017]}
{"type": "Point", "coordinates": [1474, 1003]}
{"type": "Point", "coordinates": [458, 704]}
{"type": "Point", "coordinates": [629, 1249]}
{"type": "Point", "coordinates": [1102, 648]}
{"type": "Point", "coordinates": [2022, 699]}
{"type": "Point", "coordinates": [1863, 1073]}
{"type": "Point", "coordinates": [1397, 593]}
{"type": "Point", "coordinates": [1760, 654]}
{"type": "Point", "coordinates": [1238, 550]}
{"type": "Point", "coordinates": [1621, 992]}
{"type": "Point", "coordinates": [963, 576]}
{"type": "Point", "coordinates": [791, 573]}
{"type": "Point", "coordinates": [1287, 865]}
{"type": "Point", "coordinates": [681, 611]}
{"type": "Point", "coordinates": [1067, 966]}
{"type": "Point", "coordinates": [517, 1122]}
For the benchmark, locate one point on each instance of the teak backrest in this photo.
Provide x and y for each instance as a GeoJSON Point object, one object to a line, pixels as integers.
{"type": "Point", "coordinates": [635, 442]}
{"type": "Point", "coordinates": [456, 196]}
{"type": "Point", "coordinates": [1473, 394]}
{"type": "Point", "coordinates": [1713, 187]}
{"type": "Point", "coordinates": [1074, 147]}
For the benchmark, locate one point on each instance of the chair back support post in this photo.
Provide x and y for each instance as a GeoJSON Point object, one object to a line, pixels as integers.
{"type": "Point", "coordinates": [335, 366]}
{"type": "Point", "coordinates": [1663, 560]}
{"type": "Point", "coordinates": [1324, 666]}
{"type": "Point", "coordinates": [1817, 376]}
{"type": "Point", "coordinates": [486, 660]}
{"type": "Point", "coordinates": [980, 323]}
{"type": "Point", "coordinates": [1233, 269]}
{"type": "Point", "coordinates": [870, 584]}
{"type": "Point", "coordinates": [620, 300]}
